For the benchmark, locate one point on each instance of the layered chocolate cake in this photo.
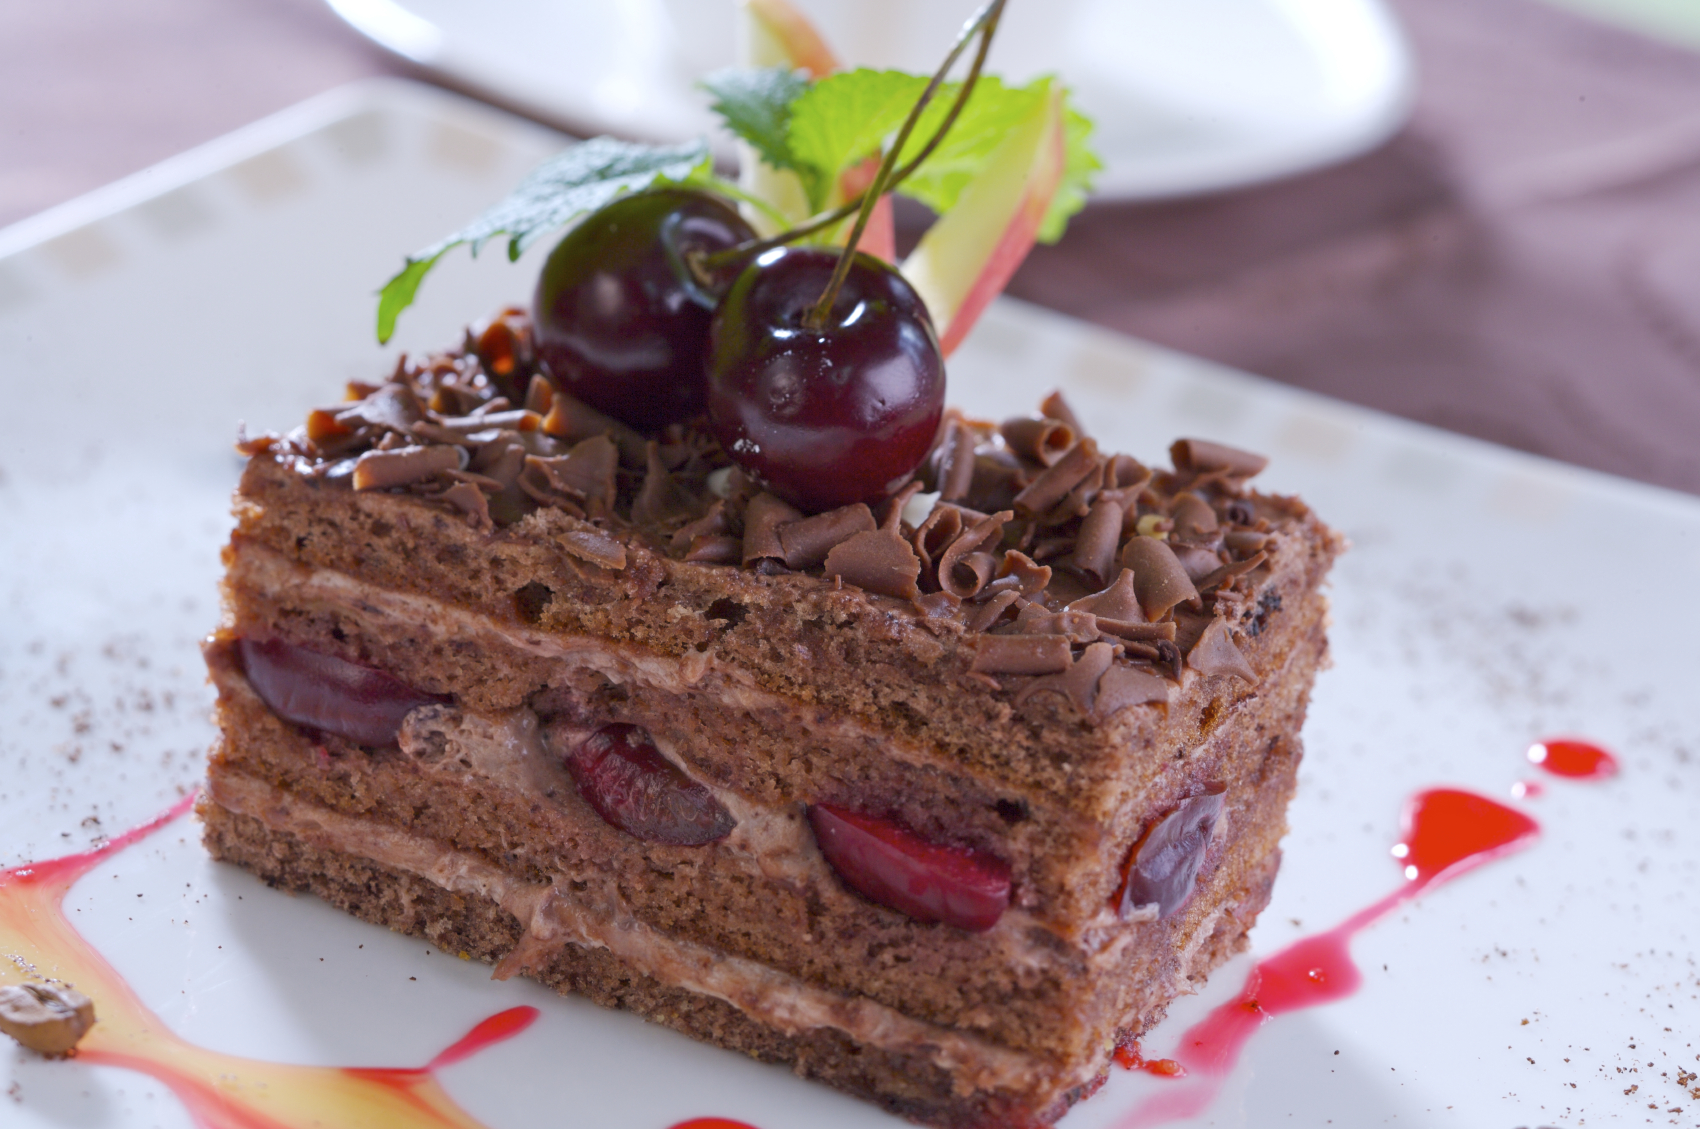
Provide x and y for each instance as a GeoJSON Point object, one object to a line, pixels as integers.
{"type": "Point", "coordinates": [936, 800]}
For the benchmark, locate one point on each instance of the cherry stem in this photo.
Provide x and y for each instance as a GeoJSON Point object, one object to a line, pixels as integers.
{"type": "Point", "coordinates": [983, 23]}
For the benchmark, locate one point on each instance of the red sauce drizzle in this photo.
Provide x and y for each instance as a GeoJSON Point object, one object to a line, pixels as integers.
{"type": "Point", "coordinates": [1129, 1057]}
{"type": "Point", "coordinates": [712, 1123]}
{"type": "Point", "coordinates": [1579, 760]}
{"type": "Point", "coordinates": [1446, 832]}
{"type": "Point", "coordinates": [220, 1091]}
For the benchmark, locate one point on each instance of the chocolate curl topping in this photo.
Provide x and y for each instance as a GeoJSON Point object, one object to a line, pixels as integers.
{"type": "Point", "coordinates": [762, 519]}
{"type": "Point", "coordinates": [953, 463]}
{"type": "Point", "coordinates": [517, 420]}
{"type": "Point", "coordinates": [1158, 578]}
{"type": "Point", "coordinates": [938, 605]}
{"type": "Point", "coordinates": [1215, 653]}
{"type": "Point", "coordinates": [380, 470]}
{"type": "Point", "coordinates": [1194, 520]}
{"type": "Point", "coordinates": [957, 573]}
{"type": "Point", "coordinates": [1200, 456]}
{"type": "Point", "coordinates": [1117, 602]}
{"type": "Point", "coordinates": [1042, 441]}
{"type": "Point", "coordinates": [892, 519]}
{"type": "Point", "coordinates": [1100, 533]}
{"type": "Point", "coordinates": [1124, 686]}
{"type": "Point", "coordinates": [987, 615]}
{"type": "Point", "coordinates": [1137, 631]}
{"type": "Point", "coordinates": [573, 419]}
{"type": "Point", "coordinates": [470, 500]}
{"type": "Point", "coordinates": [1231, 572]}
{"type": "Point", "coordinates": [1057, 408]}
{"type": "Point", "coordinates": [711, 524]}
{"type": "Point", "coordinates": [1031, 578]}
{"type": "Point", "coordinates": [877, 560]}
{"type": "Point", "coordinates": [1078, 627]}
{"type": "Point", "coordinates": [807, 542]}
{"type": "Point", "coordinates": [1197, 562]}
{"type": "Point", "coordinates": [539, 395]}
{"type": "Point", "coordinates": [1055, 482]}
{"type": "Point", "coordinates": [942, 527]}
{"type": "Point", "coordinates": [586, 471]}
{"type": "Point", "coordinates": [1079, 683]}
{"type": "Point", "coordinates": [393, 407]}
{"type": "Point", "coordinates": [1021, 654]}
{"type": "Point", "coordinates": [662, 501]}
{"type": "Point", "coordinates": [1244, 542]}
{"type": "Point", "coordinates": [1127, 476]}
{"type": "Point", "coordinates": [714, 548]}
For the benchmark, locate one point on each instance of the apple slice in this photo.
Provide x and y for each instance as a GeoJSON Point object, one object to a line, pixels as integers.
{"type": "Point", "coordinates": [967, 257]}
{"type": "Point", "coordinates": [773, 33]}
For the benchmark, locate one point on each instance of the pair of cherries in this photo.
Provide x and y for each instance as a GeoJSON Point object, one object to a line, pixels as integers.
{"type": "Point", "coordinates": [824, 412]}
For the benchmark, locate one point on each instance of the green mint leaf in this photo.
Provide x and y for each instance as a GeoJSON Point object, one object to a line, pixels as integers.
{"type": "Point", "coordinates": [843, 119]}
{"type": "Point", "coordinates": [580, 180]}
{"type": "Point", "coordinates": [756, 105]}
{"type": "Point", "coordinates": [992, 110]}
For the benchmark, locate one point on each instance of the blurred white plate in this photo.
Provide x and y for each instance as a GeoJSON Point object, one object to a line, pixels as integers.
{"type": "Point", "coordinates": [1491, 597]}
{"type": "Point", "coordinates": [1189, 96]}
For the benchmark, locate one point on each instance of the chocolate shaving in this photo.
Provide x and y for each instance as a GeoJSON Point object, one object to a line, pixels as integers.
{"type": "Point", "coordinates": [1195, 522]}
{"type": "Point", "coordinates": [714, 548]}
{"type": "Point", "coordinates": [959, 575]}
{"type": "Point", "coordinates": [1116, 602]}
{"type": "Point", "coordinates": [572, 418]}
{"type": "Point", "coordinates": [470, 500]}
{"type": "Point", "coordinates": [1123, 686]}
{"type": "Point", "coordinates": [1095, 546]}
{"type": "Point", "coordinates": [938, 605]}
{"type": "Point", "coordinates": [1127, 476]}
{"type": "Point", "coordinates": [1197, 562]}
{"type": "Point", "coordinates": [807, 542]}
{"type": "Point", "coordinates": [380, 470]}
{"type": "Point", "coordinates": [998, 478]}
{"type": "Point", "coordinates": [711, 524]}
{"type": "Point", "coordinates": [1215, 653]}
{"type": "Point", "coordinates": [393, 407]}
{"type": "Point", "coordinates": [1031, 578]}
{"type": "Point", "coordinates": [1041, 441]}
{"type": "Point", "coordinates": [987, 615]}
{"type": "Point", "coordinates": [1135, 631]}
{"type": "Point", "coordinates": [936, 534]}
{"type": "Point", "coordinates": [1021, 654]}
{"type": "Point", "coordinates": [586, 472]}
{"type": "Point", "coordinates": [1158, 578]}
{"type": "Point", "coordinates": [1244, 543]}
{"type": "Point", "coordinates": [1231, 572]}
{"type": "Point", "coordinates": [1079, 683]}
{"type": "Point", "coordinates": [953, 461]}
{"type": "Point", "coordinates": [1200, 456]}
{"type": "Point", "coordinates": [595, 547]}
{"type": "Point", "coordinates": [1057, 408]}
{"type": "Point", "coordinates": [762, 519]}
{"type": "Point", "coordinates": [1077, 627]}
{"type": "Point", "coordinates": [661, 501]}
{"type": "Point", "coordinates": [1056, 481]}
{"type": "Point", "coordinates": [878, 560]}
{"type": "Point", "coordinates": [1169, 657]}
{"type": "Point", "coordinates": [893, 516]}
{"type": "Point", "coordinates": [539, 395]}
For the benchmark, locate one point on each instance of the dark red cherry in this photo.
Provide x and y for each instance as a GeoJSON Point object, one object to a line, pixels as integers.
{"type": "Point", "coordinates": [1163, 866]}
{"type": "Point", "coordinates": [621, 774]}
{"type": "Point", "coordinates": [364, 705]}
{"type": "Point", "coordinates": [619, 320]}
{"type": "Point", "coordinates": [830, 416]}
{"type": "Point", "coordinates": [888, 864]}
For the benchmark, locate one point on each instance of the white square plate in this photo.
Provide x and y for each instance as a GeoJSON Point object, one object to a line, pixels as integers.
{"type": "Point", "coordinates": [1490, 599]}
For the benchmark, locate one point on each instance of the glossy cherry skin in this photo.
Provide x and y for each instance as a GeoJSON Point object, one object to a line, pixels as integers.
{"type": "Point", "coordinates": [620, 322]}
{"type": "Point", "coordinates": [322, 692]}
{"type": "Point", "coordinates": [891, 865]}
{"type": "Point", "coordinates": [621, 774]}
{"type": "Point", "coordinates": [828, 417]}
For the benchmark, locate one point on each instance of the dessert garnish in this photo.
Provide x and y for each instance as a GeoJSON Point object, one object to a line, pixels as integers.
{"type": "Point", "coordinates": [47, 1018]}
{"type": "Point", "coordinates": [820, 366]}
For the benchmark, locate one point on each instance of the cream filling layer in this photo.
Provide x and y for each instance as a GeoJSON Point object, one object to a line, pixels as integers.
{"type": "Point", "coordinates": [598, 917]}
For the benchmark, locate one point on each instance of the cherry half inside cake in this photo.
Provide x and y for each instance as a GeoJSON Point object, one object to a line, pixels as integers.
{"type": "Point", "coordinates": [621, 774]}
{"type": "Point", "coordinates": [323, 692]}
{"type": "Point", "coordinates": [889, 864]}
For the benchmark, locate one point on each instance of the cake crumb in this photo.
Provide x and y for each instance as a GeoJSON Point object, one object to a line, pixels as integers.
{"type": "Point", "coordinates": [45, 1017]}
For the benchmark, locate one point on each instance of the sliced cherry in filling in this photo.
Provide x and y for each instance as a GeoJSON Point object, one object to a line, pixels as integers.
{"type": "Point", "coordinates": [365, 706]}
{"type": "Point", "coordinates": [888, 864]}
{"type": "Point", "coordinates": [621, 774]}
{"type": "Point", "coordinates": [1163, 866]}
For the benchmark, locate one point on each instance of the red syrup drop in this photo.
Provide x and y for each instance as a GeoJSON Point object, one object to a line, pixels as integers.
{"type": "Point", "coordinates": [220, 1091]}
{"type": "Point", "coordinates": [712, 1123]}
{"type": "Point", "coordinates": [1578, 760]}
{"type": "Point", "coordinates": [1446, 832]}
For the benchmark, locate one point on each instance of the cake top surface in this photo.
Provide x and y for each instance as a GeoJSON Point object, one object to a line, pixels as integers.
{"type": "Point", "coordinates": [1096, 576]}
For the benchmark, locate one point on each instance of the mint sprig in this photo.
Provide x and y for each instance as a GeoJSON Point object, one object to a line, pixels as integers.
{"type": "Point", "coordinates": [755, 103]}
{"type": "Point", "coordinates": [579, 180]}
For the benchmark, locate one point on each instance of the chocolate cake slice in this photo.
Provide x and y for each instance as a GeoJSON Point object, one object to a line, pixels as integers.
{"type": "Point", "coordinates": [936, 801]}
